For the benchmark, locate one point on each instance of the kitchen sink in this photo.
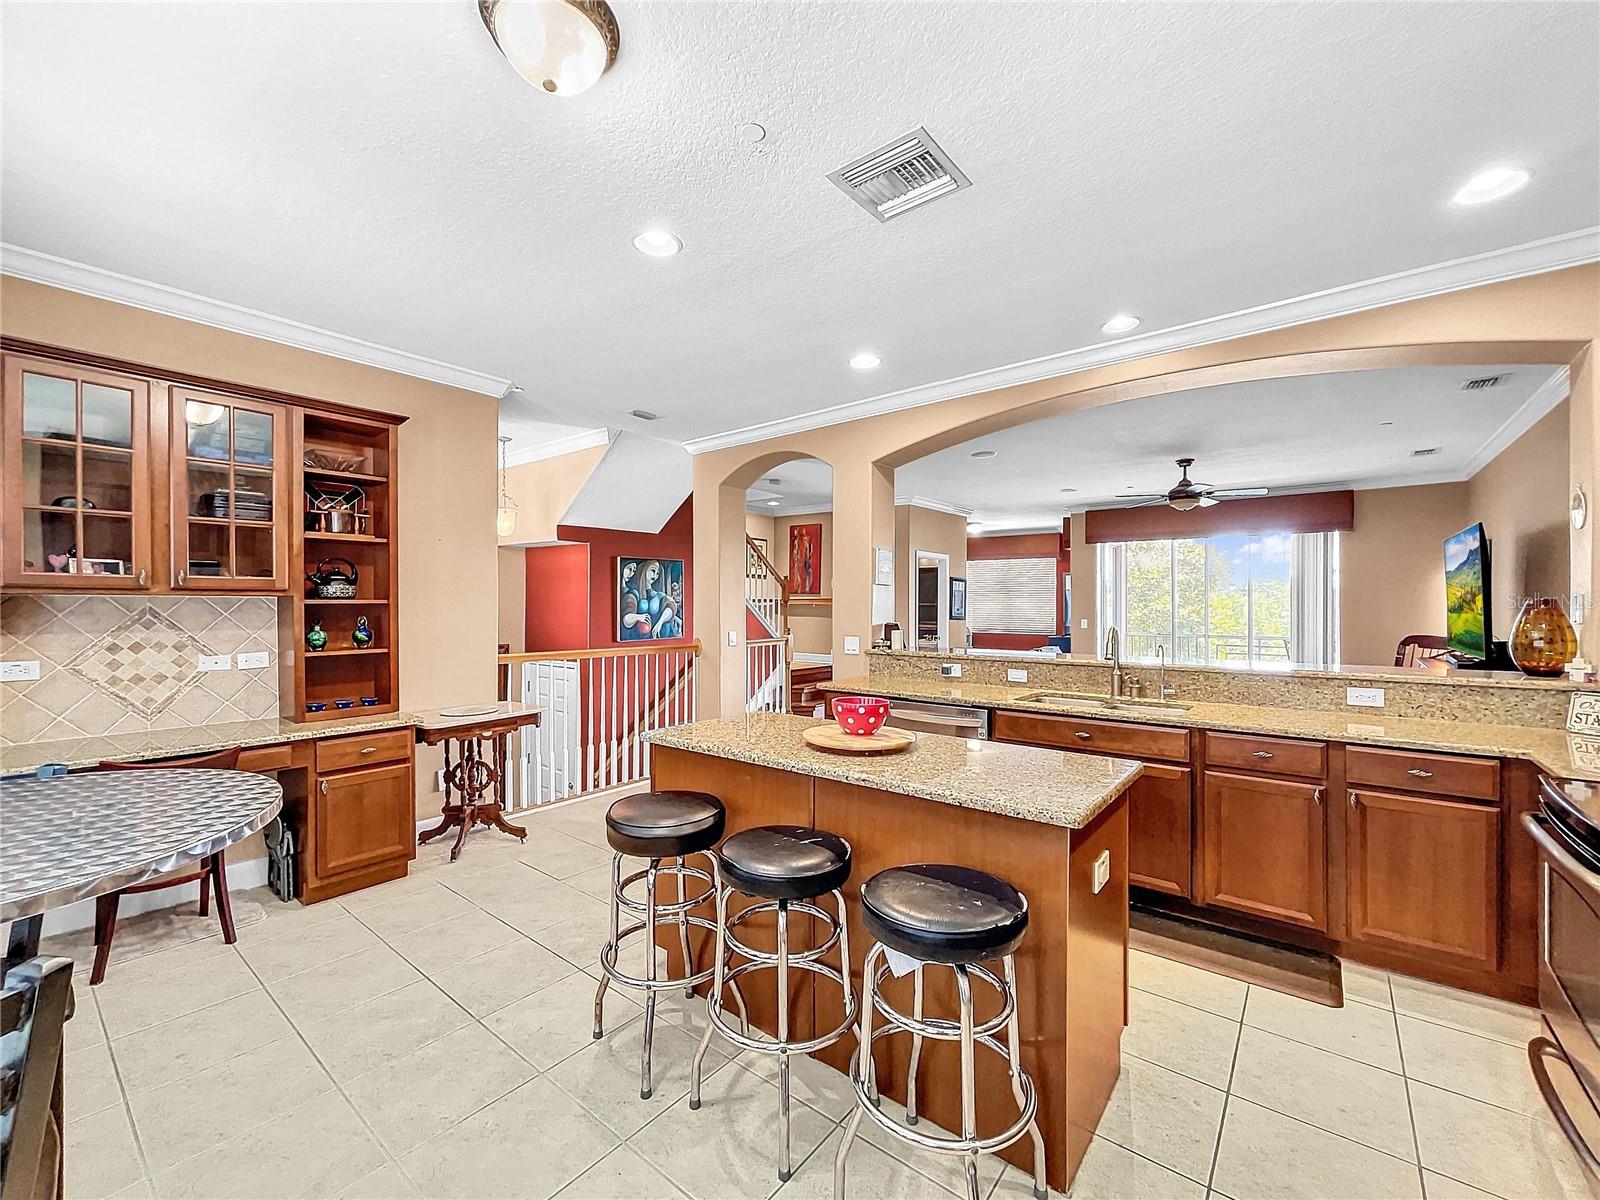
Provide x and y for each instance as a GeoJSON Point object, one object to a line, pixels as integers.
{"type": "Point", "coordinates": [1090, 702]}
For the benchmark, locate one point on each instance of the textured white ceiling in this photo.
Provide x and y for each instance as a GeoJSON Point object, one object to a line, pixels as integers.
{"type": "Point", "coordinates": [1295, 434]}
{"type": "Point", "coordinates": [799, 486]}
{"type": "Point", "coordinates": [379, 170]}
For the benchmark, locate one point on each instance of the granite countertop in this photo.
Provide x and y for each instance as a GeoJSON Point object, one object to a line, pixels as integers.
{"type": "Point", "coordinates": [1553, 750]}
{"type": "Point", "coordinates": [78, 753]}
{"type": "Point", "coordinates": [1026, 782]}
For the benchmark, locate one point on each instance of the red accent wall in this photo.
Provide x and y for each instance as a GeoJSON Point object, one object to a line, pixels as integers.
{"type": "Point", "coordinates": [605, 546]}
{"type": "Point", "coordinates": [1022, 545]}
{"type": "Point", "coordinates": [557, 598]}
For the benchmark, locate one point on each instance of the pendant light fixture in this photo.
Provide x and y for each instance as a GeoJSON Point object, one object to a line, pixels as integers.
{"type": "Point", "coordinates": [505, 516]}
{"type": "Point", "coordinates": [560, 46]}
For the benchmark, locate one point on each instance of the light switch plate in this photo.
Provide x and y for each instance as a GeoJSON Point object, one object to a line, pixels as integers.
{"type": "Point", "coordinates": [215, 662]}
{"type": "Point", "coordinates": [733, 638]}
{"type": "Point", "coordinates": [1102, 870]}
{"type": "Point", "coordinates": [950, 670]}
{"type": "Point", "coordinates": [253, 661]}
{"type": "Point", "coordinates": [1016, 675]}
{"type": "Point", "coordinates": [1083, 622]}
{"type": "Point", "coordinates": [19, 670]}
{"type": "Point", "coordinates": [852, 645]}
{"type": "Point", "coordinates": [1364, 697]}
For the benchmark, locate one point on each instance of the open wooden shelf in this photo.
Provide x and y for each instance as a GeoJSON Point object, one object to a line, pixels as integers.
{"type": "Point", "coordinates": [367, 538]}
{"type": "Point", "coordinates": [344, 476]}
{"type": "Point", "coordinates": [369, 603]}
{"type": "Point", "coordinates": [312, 654]}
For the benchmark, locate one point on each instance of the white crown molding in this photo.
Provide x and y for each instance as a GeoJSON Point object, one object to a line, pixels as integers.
{"type": "Point", "coordinates": [570, 444]}
{"type": "Point", "coordinates": [219, 314]}
{"type": "Point", "coordinates": [1532, 410]}
{"type": "Point", "coordinates": [1495, 266]}
{"type": "Point", "coordinates": [928, 502]}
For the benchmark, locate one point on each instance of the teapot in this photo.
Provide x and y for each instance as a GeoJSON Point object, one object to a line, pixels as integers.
{"type": "Point", "coordinates": [331, 583]}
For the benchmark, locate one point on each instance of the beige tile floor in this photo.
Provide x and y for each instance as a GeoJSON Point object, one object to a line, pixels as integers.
{"type": "Point", "coordinates": [431, 1038]}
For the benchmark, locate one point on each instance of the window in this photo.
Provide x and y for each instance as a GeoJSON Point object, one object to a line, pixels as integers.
{"type": "Point", "coordinates": [1011, 595]}
{"type": "Point", "coordinates": [1233, 598]}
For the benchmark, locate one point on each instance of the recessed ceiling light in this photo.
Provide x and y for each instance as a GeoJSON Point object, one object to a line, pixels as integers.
{"type": "Point", "coordinates": [1121, 323]}
{"type": "Point", "coordinates": [774, 503]}
{"type": "Point", "coordinates": [1492, 184]}
{"type": "Point", "coordinates": [657, 243]}
{"type": "Point", "coordinates": [865, 361]}
{"type": "Point", "coordinates": [985, 453]}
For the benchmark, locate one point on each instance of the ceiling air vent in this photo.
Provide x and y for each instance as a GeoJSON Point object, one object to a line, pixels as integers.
{"type": "Point", "coordinates": [1485, 381]}
{"type": "Point", "coordinates": [1431, 450]}
{"type": "Point", "coordinates": [894, 179]}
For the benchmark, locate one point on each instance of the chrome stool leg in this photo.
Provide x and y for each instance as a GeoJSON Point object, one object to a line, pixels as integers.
{"type": "Point", "coordinates": [650, 976]}
{"type": "Point", "coordinates": [864, 1075]}
{"type": "Point", "coordinates": [916, 1050]}
{"type": "Point", "coordinates": [605, 978]}
{"type": "Point", "coordinates": [969, 1104]}
{"type": "Point", "coordinates": [683, 934]}
{"type": "Point", "coordinates": [783, 1041]}
{"type": "Point", "coordinates": [1013, 1043]}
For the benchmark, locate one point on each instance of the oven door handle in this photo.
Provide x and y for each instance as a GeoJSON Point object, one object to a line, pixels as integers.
{"type": "Point", "coordinates": [1579, 876]}
{"type": "Point", "coordinates": [1540, 1049]}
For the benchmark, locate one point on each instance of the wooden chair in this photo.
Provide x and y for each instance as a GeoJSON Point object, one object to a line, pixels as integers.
{"type": "Point", "coordinates": [212, 872]}
{"type": "Point", "coordinates": [1420, 647]}
{"type": "Point", "coordinates": [33, 1010]}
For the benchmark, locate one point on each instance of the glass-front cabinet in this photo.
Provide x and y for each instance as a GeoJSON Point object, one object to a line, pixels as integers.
{"type": "Point", "coordinates": [230, 469]}
{"type": "Point", "coordinates": [77, 501]}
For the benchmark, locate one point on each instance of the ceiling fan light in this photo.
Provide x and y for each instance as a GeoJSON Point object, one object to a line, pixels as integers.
{"type": "Point", "coordinates": [560, 46]}
{"type": "Point", "coordinates": [1184, 503]}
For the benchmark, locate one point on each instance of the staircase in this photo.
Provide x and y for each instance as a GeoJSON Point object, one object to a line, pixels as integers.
{"type": "Point", "coordinates": [767, 643]}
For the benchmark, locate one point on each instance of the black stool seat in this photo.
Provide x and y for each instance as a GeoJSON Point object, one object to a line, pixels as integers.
{"type": "Point", "coordinates": [785, 862]}
{"type": "Point", "coordinates": [944, 914]}
{"type": "Point", "coordinates": [665, 824]}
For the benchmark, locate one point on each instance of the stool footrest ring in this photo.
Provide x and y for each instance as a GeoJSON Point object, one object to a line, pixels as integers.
{"type": "Point", "coordinates": [608, 961]}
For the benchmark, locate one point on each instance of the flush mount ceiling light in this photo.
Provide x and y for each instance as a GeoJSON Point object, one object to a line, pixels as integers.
{"type": "Point", "coordinates": [560, 46]}
{"type": "Point", "coordinates": [1493, 183]}
{"type": "Point", "coordinates": [974, 527]}
{"type": "Point", "coordinates": [1121, 323]}
{"type": "Point", "coordinates": [657, 243]}
{"type": "Point", "coordinates": [865, 361]}
{"type": "Point", "coordinates": [985, 453]}
{"type": "Point", "coordinates": [774, 503]}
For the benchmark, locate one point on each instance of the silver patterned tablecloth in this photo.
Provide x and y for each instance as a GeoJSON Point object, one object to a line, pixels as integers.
{"type": "Point", "coordinates": [77, 836]}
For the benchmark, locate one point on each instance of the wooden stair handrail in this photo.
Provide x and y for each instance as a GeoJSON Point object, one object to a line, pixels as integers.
{"type": "Point", "coordinates": [783, 580]}
{"type": "Point", "coordinates": [605, 652]}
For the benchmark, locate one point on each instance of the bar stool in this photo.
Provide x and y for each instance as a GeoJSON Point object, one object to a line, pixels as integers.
{"type": "Point", "coordinates": [784, 867]}
{"type": "Point", "coordinates": [657, 826]}
{"type": "Point", "coordinates": [955, 917]}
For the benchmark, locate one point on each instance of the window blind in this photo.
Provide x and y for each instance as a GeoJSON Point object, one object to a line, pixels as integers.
{"type": "Point", "coordinates": [1011, 595]}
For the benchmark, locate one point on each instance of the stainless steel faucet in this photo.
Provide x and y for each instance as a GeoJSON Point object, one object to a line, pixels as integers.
{"type": "Point", "coordinates": [1164, 692]}
{"type": "Point", "coordinates": [1114, 653]}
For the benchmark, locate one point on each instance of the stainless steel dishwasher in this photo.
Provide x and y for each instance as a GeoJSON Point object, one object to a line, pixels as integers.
{"type": "Point", "coordinates": [952, 720]}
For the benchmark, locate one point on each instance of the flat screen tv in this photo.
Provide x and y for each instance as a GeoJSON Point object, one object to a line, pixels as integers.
{"type": "Point", "coordinates": [1469, 620]}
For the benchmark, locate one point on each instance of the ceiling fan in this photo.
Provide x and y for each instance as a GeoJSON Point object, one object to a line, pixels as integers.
{"type": "Point", "coordinates": [1188, 494]}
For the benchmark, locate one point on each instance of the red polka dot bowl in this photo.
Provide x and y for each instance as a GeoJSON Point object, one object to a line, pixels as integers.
{"type": "Point", "coordinates": [861, 715]}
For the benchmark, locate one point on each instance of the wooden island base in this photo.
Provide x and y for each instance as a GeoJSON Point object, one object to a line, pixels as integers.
{"type": "Point", "coordinates": [1071, 968]}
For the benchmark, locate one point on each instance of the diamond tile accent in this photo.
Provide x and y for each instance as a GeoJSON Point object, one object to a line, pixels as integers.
{"type": "Point", "coordinates": [145, 663]}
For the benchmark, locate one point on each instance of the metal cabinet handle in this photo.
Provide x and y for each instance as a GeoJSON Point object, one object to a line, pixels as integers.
{"type": "Point", "coordinates": [1353, 800]}
{"type": "Point", "coordinates": [1318, 795]}
{"type": "Point", "coordinates": [369, 749]}
{"type": "Point", "coordinates": [1420, 773]}
{"type": "Point", "coordinates": [183, 578]}
{"type": "Point", "coordinates": [144, 577]}
{"type": "Point", "coordinates": [1082, 736]}
{"type": "Point", "coordinates": [1540, 1049]}
{"type": "Point", "coordinates": [1262, 754]}
{"type": "Point", "coordinates": [324, 787]}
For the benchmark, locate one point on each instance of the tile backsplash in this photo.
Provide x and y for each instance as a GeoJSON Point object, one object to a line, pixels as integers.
{"type": "Point", "coordinates": [114, 664]}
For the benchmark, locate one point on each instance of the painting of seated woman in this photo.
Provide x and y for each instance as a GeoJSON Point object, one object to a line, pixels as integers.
{"type": "Point", "coordinates": [649, 599]}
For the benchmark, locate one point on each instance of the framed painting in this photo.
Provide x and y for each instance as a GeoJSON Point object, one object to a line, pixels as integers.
{"type": "Point", "coordinates": [958, 599]}
{"type": "Point", "coordinates": [805, 560]}
{"type": "Point", "coordinates": [754, 566]}
{"type": "Point", "coordinates": [649, 599]}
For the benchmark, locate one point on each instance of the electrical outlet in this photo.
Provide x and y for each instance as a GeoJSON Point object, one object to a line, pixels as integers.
{"type": "Point", "coordinates": [950, 670]}
{"type": "Point", "coordinates": [1102, 870]}
{"type": "Point", "coordinates": [19, 670]}
{"type": "Point", "coordinates": [852, 645]}
{"type": "Point", "coordinates": [1364, 697]}
{"type": "Point", "coordinates": [253, 661]}
{"type": "Point", "coordinates": [215, 662]}
{"type": "Point", "coordinates": [1016, 675]}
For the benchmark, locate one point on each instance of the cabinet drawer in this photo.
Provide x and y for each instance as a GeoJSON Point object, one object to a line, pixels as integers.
{"type": "Point", "coordinates": [1101, 737]}
{"type": "Point", "coordinates": [1274, 756]}
{"type": "Point", "coordinates": [338, 754]}
{"type": "Point", "coordinates": [1409, 770]}
{"type": "Point", "coordinates": [266, 758]}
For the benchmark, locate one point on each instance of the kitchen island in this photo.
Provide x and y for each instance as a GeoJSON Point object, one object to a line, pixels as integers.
{"type": "Point", "coordinates": [1039, 818]}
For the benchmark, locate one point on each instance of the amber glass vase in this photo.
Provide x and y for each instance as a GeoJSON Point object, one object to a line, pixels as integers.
{"type": "Point", "coordinates": [1543, 640]}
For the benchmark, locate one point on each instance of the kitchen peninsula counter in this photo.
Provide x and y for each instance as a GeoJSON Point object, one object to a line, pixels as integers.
{"type": "Point", "coordinates": [1054, 825]}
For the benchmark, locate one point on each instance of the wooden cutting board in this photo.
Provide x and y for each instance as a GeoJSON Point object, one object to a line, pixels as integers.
{"type": "Point", "coordinates": [834, 740]}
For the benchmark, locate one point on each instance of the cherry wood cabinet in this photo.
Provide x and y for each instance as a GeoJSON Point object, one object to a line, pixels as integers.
{"type": "Point", "coordinates": [1160, 829]}
{"type": "Point", "coordinates": [359, 819]}
{"type": "Point", "coordinates": [77, 496]}
{"type": "Point", "coordinates": [1424, 875]}
{"type": "Point", "coordinates": [1264, 848]}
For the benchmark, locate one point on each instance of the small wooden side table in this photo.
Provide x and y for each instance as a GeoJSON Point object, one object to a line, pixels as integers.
{"type": "Point", "coordinates": [476, 759]}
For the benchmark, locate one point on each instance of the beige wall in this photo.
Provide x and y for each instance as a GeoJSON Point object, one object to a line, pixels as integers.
{"type": "Point", "coordinates": [1549, 318]}
{"type": "Point", "coordinates": [544, 490]}
{"type": "Point", "coordinates": [513, 570]}
{"type": "Point", "coordinates": [917, 528]}
{"type": "Point", "coordinates": [811, 624]}
{"type": "Point", "coordinates": [447, 473]}
{"type": "Point", "coordinates": [758, 526]}
{"type": "Point", "coordinates": [1522, 498]}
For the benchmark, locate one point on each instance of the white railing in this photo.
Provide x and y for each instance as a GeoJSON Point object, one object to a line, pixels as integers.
{"type": "Point", "coordinates": [763, 590]}
{"type": "Point", "coordinates": [766, 675]}
{"type": "Point", "coordinates": [599, 706]}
